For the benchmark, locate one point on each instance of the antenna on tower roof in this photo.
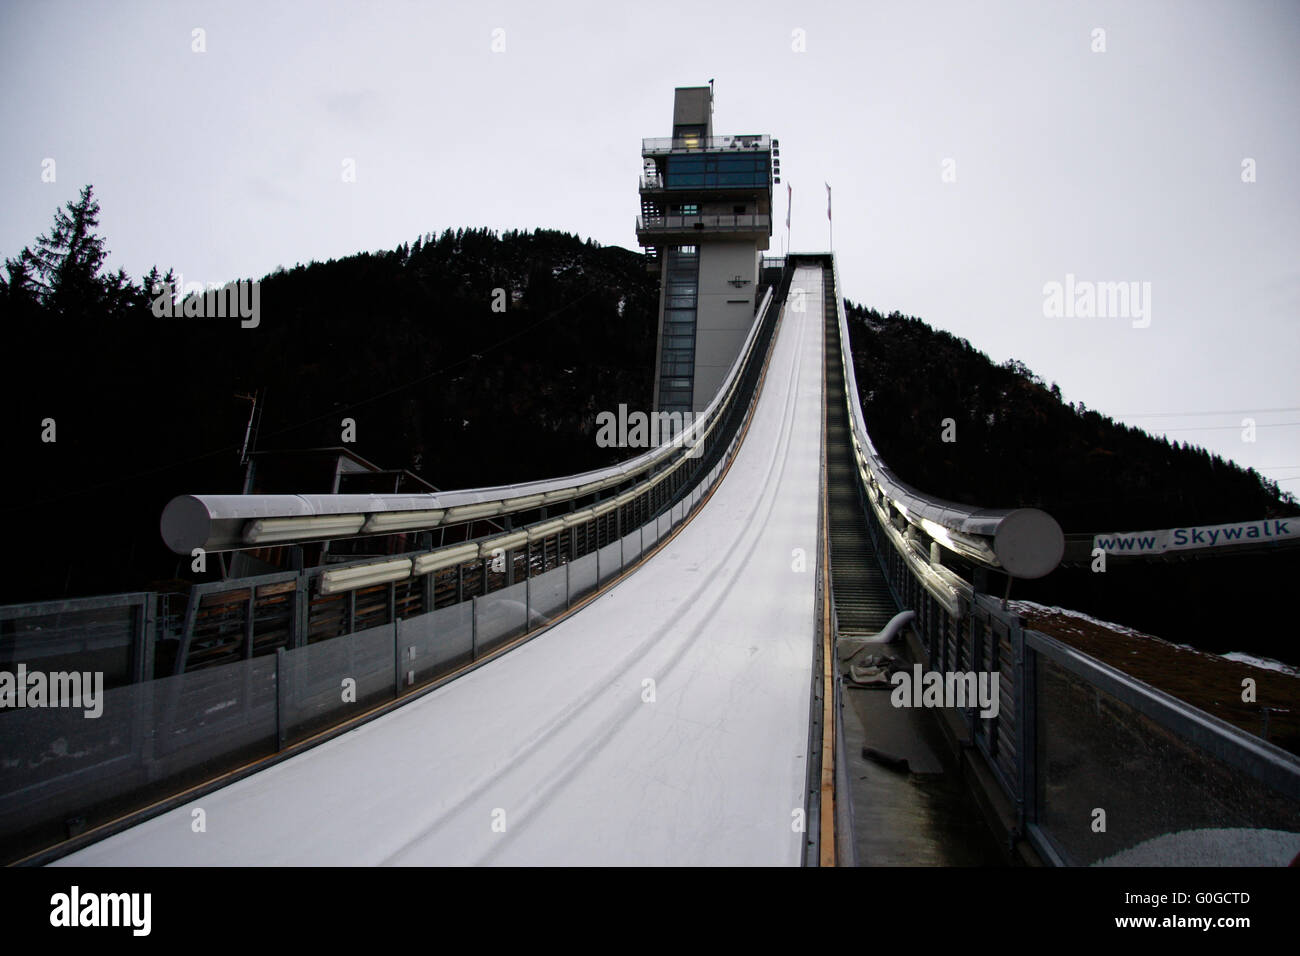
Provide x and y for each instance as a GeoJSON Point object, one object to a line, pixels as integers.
{"type": "Point", "coordinates": [710, 94]}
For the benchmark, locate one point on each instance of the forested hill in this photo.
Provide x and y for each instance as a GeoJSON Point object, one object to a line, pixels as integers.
{"type": "Point", "coordinates": [1016, 443]}
{"type": "Point", "coordinates": [408, 345]}
{"type": "Point", "coordinates": [404, 342]}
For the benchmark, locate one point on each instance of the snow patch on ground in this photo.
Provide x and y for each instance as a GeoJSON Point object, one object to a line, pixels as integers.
{"type": "Point", "coordinates": [1267, 663]}
{"type": "Point", "coordinates": [1239, 657]}
{"type": "Point", "coordinates": [1033, 607]}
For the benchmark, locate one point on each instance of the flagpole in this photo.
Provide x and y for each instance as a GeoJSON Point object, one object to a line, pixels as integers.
{"type": "Point", "coordinates": [830, 222]}
{"type": "Point", "coordinates": [789, 202]}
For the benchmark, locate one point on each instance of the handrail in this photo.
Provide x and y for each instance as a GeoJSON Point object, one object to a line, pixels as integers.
{"type": "Point", "coordinates": [225, 522]}
{"type": "Point", "coordinates": [704, 221]}
{"type": "Point", "coordinates": [1024, 542]}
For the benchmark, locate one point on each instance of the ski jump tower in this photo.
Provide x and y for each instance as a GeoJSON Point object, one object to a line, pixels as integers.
{"type": "Point", "coordinates": [706, 217]}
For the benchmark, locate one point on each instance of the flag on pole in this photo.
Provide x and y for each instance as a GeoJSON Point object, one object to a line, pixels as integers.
{"type": "Point", "coordinates": [789, 198]}
{"type": "Point", "coordinates": [828, 200]}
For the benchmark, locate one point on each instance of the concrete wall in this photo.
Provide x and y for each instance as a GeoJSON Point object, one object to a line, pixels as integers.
{"type": "Point", "coordinates": [724, 314]}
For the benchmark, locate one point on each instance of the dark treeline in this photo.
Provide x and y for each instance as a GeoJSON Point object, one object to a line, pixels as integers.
{"type": "Point", "coordinates": [405, 342]}
{"type": "Point", "coordinates": [1017, 444]}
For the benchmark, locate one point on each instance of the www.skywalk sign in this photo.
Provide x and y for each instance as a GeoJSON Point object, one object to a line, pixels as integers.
{"type": "Point", "coordinates": [1193, 537]}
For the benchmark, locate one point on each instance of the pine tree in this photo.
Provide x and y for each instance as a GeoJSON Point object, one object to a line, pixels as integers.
{"type": "Point", "coordinates": [121, 295]}
{"type": "Point", "coordinates": [19, 292]}
{"type": "Point", "coordinates": [68, 260]}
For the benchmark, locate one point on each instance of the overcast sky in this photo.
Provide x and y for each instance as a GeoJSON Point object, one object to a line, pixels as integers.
{"type": "Point", "coordinates": [1115, 165]}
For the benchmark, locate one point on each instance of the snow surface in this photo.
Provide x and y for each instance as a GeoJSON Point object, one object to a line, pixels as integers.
{"type": "Point", "coordinates": [555, 738]}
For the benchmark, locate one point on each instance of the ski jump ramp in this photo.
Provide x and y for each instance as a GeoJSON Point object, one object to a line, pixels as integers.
{"type": "Point", "coordinates": [666, 723]}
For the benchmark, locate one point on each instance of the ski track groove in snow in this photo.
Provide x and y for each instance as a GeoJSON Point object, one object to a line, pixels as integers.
{"type": "Point", "coordinates": [553, 781]}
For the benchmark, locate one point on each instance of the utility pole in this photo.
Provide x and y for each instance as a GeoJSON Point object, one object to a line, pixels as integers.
{"type": "Point", "coordinates": [250, 436]}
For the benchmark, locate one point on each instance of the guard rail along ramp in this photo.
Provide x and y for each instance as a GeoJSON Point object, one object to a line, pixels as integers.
{"type": "Point", "coordinates": [1072, 735]}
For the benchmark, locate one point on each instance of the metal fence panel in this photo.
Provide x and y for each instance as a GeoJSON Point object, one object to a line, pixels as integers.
{"type": "Point", "coordinates": [104, 634]}
{"type": "Point", "coordinates": [1165, 800]}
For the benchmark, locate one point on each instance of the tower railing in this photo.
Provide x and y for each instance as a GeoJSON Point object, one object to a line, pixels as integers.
{"type": "Point", "coordinates": [670, 144]}
{"type": "Point", "coordinates": [717, 221]}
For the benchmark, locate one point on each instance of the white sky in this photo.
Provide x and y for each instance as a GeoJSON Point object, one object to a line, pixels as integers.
{"type": "Point", "coordinates": [1116, 166]}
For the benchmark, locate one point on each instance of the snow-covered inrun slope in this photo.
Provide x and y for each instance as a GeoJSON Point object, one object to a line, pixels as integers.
{"type": "Point", "coordinates": [552, 754]}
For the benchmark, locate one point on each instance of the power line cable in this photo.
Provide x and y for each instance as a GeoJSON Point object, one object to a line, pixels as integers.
{"type": "Point", "coordinates": [1237, 411]}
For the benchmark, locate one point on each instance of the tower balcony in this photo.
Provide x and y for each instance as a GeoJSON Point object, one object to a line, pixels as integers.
{"type": "Point", "coordinates": [669, 230]}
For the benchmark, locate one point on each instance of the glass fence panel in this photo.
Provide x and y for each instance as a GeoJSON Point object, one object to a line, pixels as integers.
{"type": "Point", "coordinates": [649, 534]}
{"type": "Point", "coordinates": [547, 596]}
{"type": "Point", "coordinates": [54, 761]}
{"type": "Point", "coordinates": [582, 577]}
{"type": "Point", "coordinates": [631, 547]}
{"type": "Point", "coordinates": [611, 560]}
{"type": "Point", "coordinates": [62, 771]}
{"type": "Point", "coordinates": [332, 680]}
{"type": "Point", "coordinates": [437, 643]}
{"type": "Point", "coordinates": [499, 616]}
